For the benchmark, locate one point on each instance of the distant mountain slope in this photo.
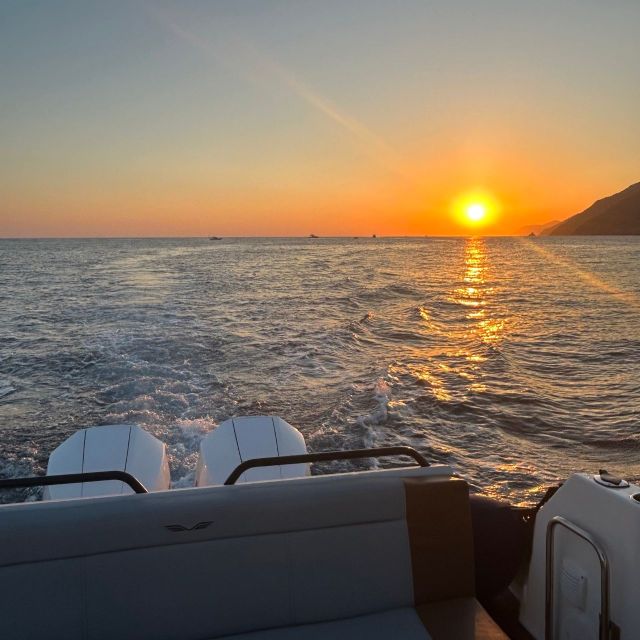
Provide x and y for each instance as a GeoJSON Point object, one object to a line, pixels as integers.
{"type": "Point", "coordinates": [617, 215]}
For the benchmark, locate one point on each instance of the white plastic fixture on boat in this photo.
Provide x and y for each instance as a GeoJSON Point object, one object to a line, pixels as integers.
{"type": "Point", "coordinates": [246, 438]}
{"type": "Point", "coordinates": [611, 517]}
{"type": "Point", "coordinates": [120, 447]}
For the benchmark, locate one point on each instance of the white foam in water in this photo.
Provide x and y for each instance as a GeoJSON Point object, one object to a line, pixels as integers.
{"type": "Point", "coordinates": [15, 469]}
{"type": "Point", "coordinates": [382, 395]}
{"type": "Point", "coordinates": [184, 453]}
{"type": "Point", "coordinates": [18, 469]}
{"type": "Point", "coordinates": [463, 348]}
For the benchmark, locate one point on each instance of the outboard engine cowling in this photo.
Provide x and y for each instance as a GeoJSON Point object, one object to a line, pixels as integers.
{"type": "Point", "coordinates": [245, 438]}
{"type": "Point", "coordinates": [120, 447]}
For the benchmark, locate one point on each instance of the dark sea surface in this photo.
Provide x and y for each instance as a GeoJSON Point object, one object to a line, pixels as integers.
{"type": "Point", "coordinates": [516, 360]}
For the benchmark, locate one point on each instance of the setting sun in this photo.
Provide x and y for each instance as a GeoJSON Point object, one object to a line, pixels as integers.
{"type": "Point", "coordinates": [476, 208]}
{"type": "Point", "coordinates": [476, 211]}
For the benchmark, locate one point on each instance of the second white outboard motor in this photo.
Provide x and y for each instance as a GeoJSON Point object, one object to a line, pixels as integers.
{"type": "Point", "coordinates": [240, 439]}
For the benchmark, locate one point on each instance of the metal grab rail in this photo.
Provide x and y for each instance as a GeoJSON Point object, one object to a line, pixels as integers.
{"type": "Point", "coordinates": [605, 623]}
{"type": "Point", "coordinates": [323, 456]}
{"type": "Point", "coordinates": [74, 478]}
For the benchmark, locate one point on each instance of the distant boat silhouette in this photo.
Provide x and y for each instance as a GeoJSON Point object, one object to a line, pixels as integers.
{"type": "Point", "coordinates": [374, 236]}
{"type": "Point", "coordinates": [313, 235]}
{"type": "Point", "coordinates": [214, 238]}
{"type": "Point", "coordinates": [532, 235]}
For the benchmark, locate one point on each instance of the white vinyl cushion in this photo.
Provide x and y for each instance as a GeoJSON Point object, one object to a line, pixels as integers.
{"type": "Point", "coordinates": [208, 562]}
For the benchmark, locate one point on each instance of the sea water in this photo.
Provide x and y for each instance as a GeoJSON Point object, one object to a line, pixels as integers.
{"type": "Point", "coordinates": [516, 360]}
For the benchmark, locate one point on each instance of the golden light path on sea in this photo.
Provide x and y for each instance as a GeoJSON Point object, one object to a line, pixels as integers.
{"type": "Point", "coordinates": [627, 297]}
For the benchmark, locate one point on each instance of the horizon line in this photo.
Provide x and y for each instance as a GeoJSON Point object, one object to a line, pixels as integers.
{"type": "Point", "coordinates": [305, 237]}
{"type": "Point", "coordinates": [275, 237]}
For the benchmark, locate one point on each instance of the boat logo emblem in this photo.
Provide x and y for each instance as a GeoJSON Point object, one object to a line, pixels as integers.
{"type": "Point", "coordinates": [176, 528]}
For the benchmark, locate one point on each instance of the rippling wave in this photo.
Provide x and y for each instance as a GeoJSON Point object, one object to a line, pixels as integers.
{"type": "Point", "coordinates": [516, 360]}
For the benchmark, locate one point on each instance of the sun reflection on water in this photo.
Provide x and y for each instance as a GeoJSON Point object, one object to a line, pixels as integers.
{"type": "Point", "coordinates": [476, 294]}
{"type": "Point", "coordinates": [472, 328]}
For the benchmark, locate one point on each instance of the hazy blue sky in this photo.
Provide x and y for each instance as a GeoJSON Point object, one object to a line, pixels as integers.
{"type": "Point", "coordinates": [274, 117]}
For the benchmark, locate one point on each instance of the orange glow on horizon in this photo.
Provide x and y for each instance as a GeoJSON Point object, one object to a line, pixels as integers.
{"type": "Point", "coordinates": [230, 131]}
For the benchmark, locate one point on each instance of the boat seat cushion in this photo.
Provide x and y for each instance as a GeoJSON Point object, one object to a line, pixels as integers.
{"type": "Point", "coordinates": [215, 562]}
{"type": "Point", "coordinates": [400, 624]}
{"type": "Point", "coordinates": [454, 619]}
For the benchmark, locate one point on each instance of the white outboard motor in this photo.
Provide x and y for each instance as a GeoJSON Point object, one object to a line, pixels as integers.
{"type": "Point", "coordinates": [239, 439]}
{"type": "Point", "coordinates": [120, 447]}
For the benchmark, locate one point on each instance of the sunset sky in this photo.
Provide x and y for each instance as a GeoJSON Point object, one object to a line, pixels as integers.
{"type": "Point", "coordinates": [268, 117]}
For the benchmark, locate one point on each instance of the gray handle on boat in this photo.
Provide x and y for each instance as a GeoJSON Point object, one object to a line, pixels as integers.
{"type": "Point", "coordinates": [306, 458]}
{"type": "Point", "coordinates": [605, 622]}
{"type": "Point", "coordinates": [74, 478]}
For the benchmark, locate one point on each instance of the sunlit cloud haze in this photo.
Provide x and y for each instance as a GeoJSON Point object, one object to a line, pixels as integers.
{"type": "Point", "coordinates": [337, 118]}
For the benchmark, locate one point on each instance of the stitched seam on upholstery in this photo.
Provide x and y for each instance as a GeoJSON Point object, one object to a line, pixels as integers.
{"type": "Point", "coordinates": [408, 548]}
{"type": "Point", "coordinates": [408, 542]}
{"type": "Point", "coordinates": [203, 540]}
{"type": "Point", "coordinates": [293, 615]}
{"type": "Point", "coordinates": [83, 599]}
